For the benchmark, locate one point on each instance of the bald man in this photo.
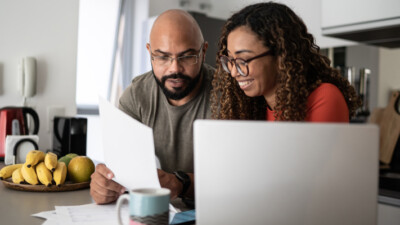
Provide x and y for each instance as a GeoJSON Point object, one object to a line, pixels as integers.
{"type": "Point", "coordinates": [168, 99]}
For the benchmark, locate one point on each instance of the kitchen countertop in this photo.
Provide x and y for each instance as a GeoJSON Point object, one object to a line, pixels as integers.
{"type": "Point", "coordinates": [17, 206]}
{"type": "Point", "coordinates": [389, 197]}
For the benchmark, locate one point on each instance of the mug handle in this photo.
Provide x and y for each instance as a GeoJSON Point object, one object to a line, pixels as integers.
{"type": "Point", "coordinates": [121, 199]}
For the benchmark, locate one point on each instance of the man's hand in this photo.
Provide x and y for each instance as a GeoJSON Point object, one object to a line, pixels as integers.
{"type": "Point", "coordinates": [168, 180]}
{"type": "Point", "coordinates": [102, 189]}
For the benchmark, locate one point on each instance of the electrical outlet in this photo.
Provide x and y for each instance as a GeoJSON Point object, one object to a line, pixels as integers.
{"type": "Point", "coordinates": [53, 111]}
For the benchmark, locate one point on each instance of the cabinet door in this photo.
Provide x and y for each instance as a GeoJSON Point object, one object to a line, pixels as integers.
{"type": "Point", "coordinates": [353, 12]}
{"type": "Point", "coordinates": [388, 214]}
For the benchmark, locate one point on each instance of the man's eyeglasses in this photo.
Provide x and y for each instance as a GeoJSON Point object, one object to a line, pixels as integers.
{"type": "Point", "coordinates": [185, 60]}
{"type": "Point", "coordinates": [242, 66]}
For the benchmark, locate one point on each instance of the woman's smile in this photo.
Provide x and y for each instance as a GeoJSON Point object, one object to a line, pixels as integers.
{"type": "Point", "coordinates": [244, 84]}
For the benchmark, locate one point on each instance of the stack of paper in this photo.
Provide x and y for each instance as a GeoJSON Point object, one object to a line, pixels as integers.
{"type": "Point", "coordinates": [84, 214]}
{"type": "Point", "coordinates": [88, 214]}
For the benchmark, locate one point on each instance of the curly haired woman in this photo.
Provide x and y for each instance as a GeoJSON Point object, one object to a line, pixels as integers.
{"type": "Point", "coordinates": [270, 69]}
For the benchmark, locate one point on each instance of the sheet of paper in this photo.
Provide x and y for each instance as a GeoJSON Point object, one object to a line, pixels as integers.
{"type": "Point", "coordinates": [94, 214]}
{"type": "Point", "coordinates": [50, 222]}
{"type": "Point", "coordinates": [91, 214]}
{"type": "Point", "coordinates": [128, 148]}
{"type": "Point", "coordinates": [50, 217]}
{"type": "Point", "coordinates": [45, 214]}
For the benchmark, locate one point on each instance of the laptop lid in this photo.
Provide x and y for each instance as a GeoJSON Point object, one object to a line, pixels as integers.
{"type": "Point", "coordinates": [250, 172]}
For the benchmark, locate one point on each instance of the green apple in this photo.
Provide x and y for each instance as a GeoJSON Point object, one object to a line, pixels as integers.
{"type": "Point", "coordinates": [72, 155]}
{"type": "Point", "coordinates": [65, 159]}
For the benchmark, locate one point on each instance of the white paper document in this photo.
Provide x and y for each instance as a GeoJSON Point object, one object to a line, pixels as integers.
{"type": "Point", "coordinates": [88, 214]}
{"type": "Point", "coordinates": [50, 217]}
{"type": "Point", "coordinates": [91, 214]}
{"type": "Point", "coordinates": [46, 214]}
{"type": "Point", "coordinates": [128, 148]}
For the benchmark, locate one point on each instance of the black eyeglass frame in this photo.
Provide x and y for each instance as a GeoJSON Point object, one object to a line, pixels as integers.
{"type": "Point", "coordinates": [233, 61]}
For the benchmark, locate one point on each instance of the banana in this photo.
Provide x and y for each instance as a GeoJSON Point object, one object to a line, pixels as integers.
{"type": "Point", "coordinates": [44, 174]}
{"type": "Point", "coordinates": [60, 173]}
{"type": "Point", "coordinates": [7, 171]}
{"type": "Point", "coordinates": [34, 157]}
{"type": "Point", "coordinates": [29, 174]}
{"type": "Point", "coordinates": [17, 177]}
{"type": "Point", "coordinates": [50, 160]}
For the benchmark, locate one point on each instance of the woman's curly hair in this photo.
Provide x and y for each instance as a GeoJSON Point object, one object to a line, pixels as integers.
{"type": "Point", "coordinates": [301, 68]}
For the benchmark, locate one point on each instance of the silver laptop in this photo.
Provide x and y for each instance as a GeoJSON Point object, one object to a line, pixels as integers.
{"type": "Point", "coordinates": [250, 172]}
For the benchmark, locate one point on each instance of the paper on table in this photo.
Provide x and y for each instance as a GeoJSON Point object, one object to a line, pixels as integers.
{"type": "Point", "coordinates": [50, 217]}
{"type": "Point", "coordinates": [94, 214]}
{"type": "Point", "coordinates": [128, 148]}
{"type": "Point", "coordinates": [45, 214]}
{"type": "Point", "coordinates": [91, 214]}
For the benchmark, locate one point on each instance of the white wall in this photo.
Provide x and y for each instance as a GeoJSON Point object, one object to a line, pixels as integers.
{"type": "Point", "coordinates": [47, 30]}
{"type": "Point", "coordinates": [389, 74]}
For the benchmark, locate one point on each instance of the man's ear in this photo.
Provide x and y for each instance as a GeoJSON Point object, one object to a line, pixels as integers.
{"type": "Point", "coordinates": [148, 48]}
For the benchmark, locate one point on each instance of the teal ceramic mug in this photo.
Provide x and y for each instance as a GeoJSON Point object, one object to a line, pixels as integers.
{"type": "Point", "coordinates": [146, 206]}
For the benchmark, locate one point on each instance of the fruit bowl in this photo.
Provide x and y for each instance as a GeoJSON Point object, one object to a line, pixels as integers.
{"type": "Point", "coordinates": [67, 186]}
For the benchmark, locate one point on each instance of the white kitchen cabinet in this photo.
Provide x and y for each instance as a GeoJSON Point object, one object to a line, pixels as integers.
{"type": "Point", "coordinates": [336, 13]}
{"type": "Point", "coordinates": [388, 215]}
{"type": "Point", "coordinates": [375, 22]}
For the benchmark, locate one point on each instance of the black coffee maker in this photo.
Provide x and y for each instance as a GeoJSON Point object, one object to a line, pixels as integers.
{"type": "Point", "coordinates": [69, 135]}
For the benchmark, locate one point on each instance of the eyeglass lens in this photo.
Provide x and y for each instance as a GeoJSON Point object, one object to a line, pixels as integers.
{"type": "Point", "coordinates": [227, 65]}
{"type": "Point", "coordinates": [183, 60]}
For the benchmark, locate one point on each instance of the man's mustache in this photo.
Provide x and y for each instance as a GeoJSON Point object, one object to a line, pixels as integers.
{"type": "Point", "coordinates": [176, 76]}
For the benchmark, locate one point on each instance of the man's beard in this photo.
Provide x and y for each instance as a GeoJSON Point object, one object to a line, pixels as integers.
{"type": "Point", "coordinates": [179, 92]}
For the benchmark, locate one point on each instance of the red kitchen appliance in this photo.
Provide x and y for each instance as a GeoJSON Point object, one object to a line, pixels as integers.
{"type": "Point", "coordinates": [13, 121]}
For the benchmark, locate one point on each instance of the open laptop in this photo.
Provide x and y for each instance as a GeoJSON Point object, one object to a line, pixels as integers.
{"type": "Point", "coordinates": [250, 172]}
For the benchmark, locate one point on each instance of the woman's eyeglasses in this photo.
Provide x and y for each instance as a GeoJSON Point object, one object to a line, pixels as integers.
{"type": "Point", "coordinates": [242, 66]}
